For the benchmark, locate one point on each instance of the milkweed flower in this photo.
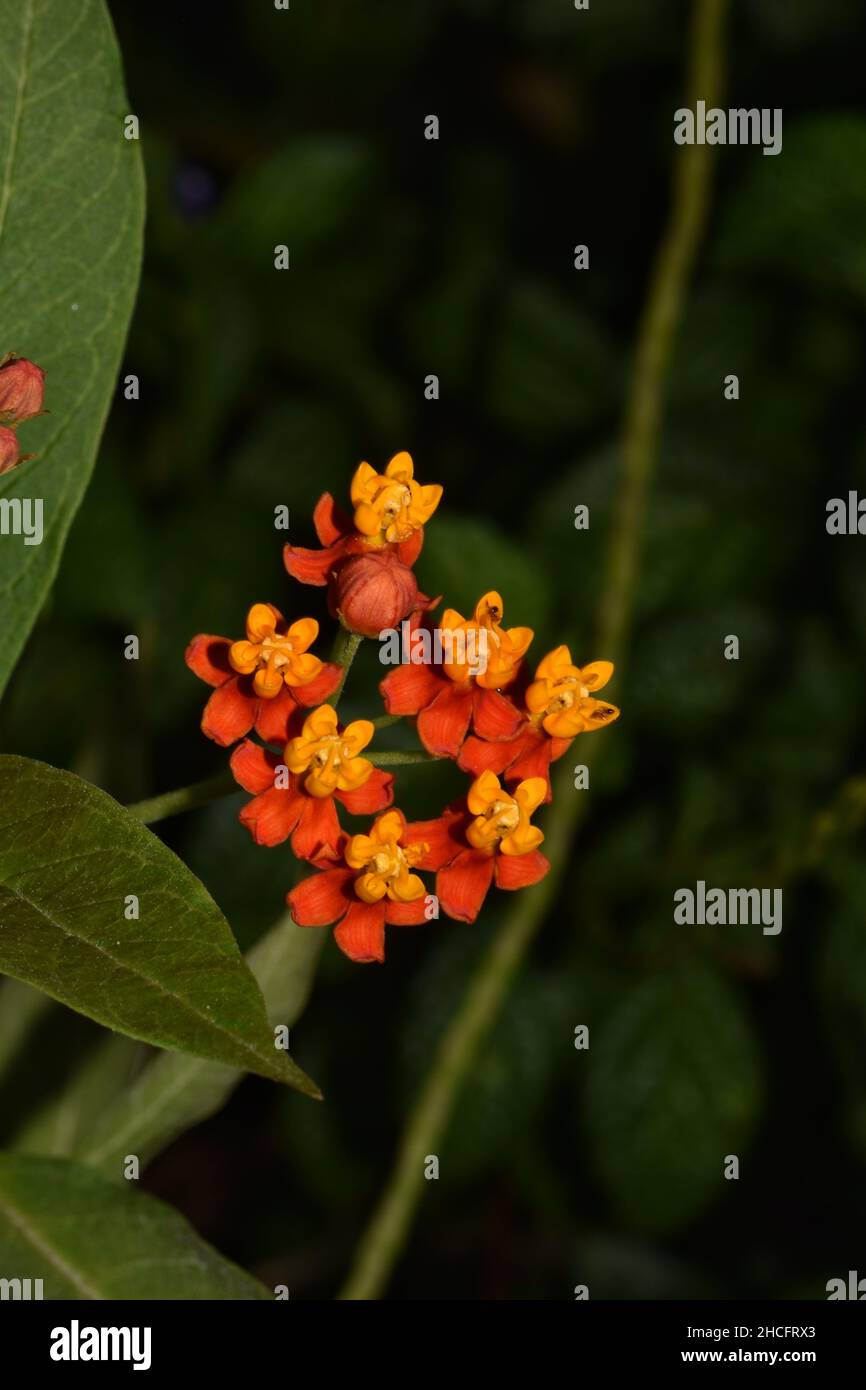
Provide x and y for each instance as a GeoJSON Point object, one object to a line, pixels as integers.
{"type": "Point", "coordinates": [390, 512]}
{"type": "Point", "coordinates": [558, 705]}
{"type": "Point", "coordinates": [294, 796]}
{"type": "Point", "coordinates": [259, 682]}
{"type": "Point", "coordinates": [487, 839]}
{"type": "Point", "coordinates": [22, 390]}
{"type": "Point", "coordinates": [376, 888]}
{"type": "Point", "coordinates": [450, 698]}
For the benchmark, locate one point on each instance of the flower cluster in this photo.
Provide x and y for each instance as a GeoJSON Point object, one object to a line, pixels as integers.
{"type": "Point", "coordinates": [497, 722]}
{"type": "Point", "coordinates": [22, 391]}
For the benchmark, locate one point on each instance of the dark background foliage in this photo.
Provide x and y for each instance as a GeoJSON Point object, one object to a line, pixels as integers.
{"type": "Point", "coordinates": [257, 388]}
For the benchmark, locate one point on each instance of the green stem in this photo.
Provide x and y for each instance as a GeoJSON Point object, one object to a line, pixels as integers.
{"type": "Point", "coordinates": [387, 1232]}
{"type": "Point", "coordinates": [399, 758]}
{"type": "Point", "coordinates": [385, 721]}
{"type": "Point", "coordinates": [184, 798]}
{"type": "Point", "coordinates": [198, 794]}
{"type": "Point", "coordinates": [345, 648]}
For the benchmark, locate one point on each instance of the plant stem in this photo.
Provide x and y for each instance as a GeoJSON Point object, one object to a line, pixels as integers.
{"type": "Point", "coordinates": [184, 798]}
{"type": "Point", "coordinates": [385, 721]}
{"type": "Point", "coordinates": [399, 758]}
{"type": "Point", "coordinates": [386, 1234]}
{"type": "Point", "coordinates": [346, 645]}
{"type": "Point", "coordinates": [198, 794]}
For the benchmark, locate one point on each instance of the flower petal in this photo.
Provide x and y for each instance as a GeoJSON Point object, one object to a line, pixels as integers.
{"type": "Point", "coordinates": [477, 756]}
{"type": "Point", "coordinates": [274, 717]}
{"type": "Point", "coordinates": [253, 767]}
{"type": "Point", "coordinates": [361, 934]}
{"type": "Point", "coordinates": [406, 914]}
{"type": "Point", "coordinates": [313, 566]}
{"type": "Point", "coordinates": [520, 870]}
{"type": "Point", "coordinates": [443, 725]}
{"type": "Point", "coordinates": [442, 836]}
{"type": "Point", "coordinates": [534, 759]}
{"type": "Point", "coordinates": [330, 521]}
{"type": "Point", "coordinates": [408, 551]}
{"type": "Point", "coordinates": [322, 898]}
{"type": "Point", "coordinates": [271, 817]}
{"type": "Point", "coordinates": [407, 689]}
{"type": "Point", "coordinates": [376, 793]}
{"type": "Point", "coordinates": [462, 886]}
{"type": "Point", "coordinates": [596, 674]}
{"type": "Point", "coordinates": [494, 716]}
{"type": "Point", "coordinates": [229, 713]}
{"type": "Point", "coordinates": [318, 831]}
{"type": "Point", "coordinates": [324, 684]}
{"type": "Point", "coordinates": [208, 658]}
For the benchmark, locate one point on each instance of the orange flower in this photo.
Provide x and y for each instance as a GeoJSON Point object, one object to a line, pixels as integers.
{"type": "Point", "coordinates": [489, 838]}
{"type": "Point", "coordinates": [288, 803]}
{"type": "Point", "coordinates": [376, 888]}
{"type": "Point", "coordinates": [260, 682]}
{"type": "Point", "coordinates": [481, 657]}
{"type": "Point", "coordinates": [558, 706]}
{"type": "Point", "coordinates": [390, 512]}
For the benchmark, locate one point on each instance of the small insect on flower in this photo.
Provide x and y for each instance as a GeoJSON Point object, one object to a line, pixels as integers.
{"type": "Point", "coordinates": [377, 888]}
{"type": "Point", "coordinates": [558, 705]}
{"type": "Point", "coordinates": [487, 838]}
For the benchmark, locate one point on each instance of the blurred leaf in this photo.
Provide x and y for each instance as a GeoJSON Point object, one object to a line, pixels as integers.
{"type": "Point", "coordinates": [552, 370]}
{"type": "Point", "coordinates": [175, 1092]}
{"type": "Point", "coordinates": [800, 215]}
{"type": "Point", "coordinates": [299, 198]}
{"type": "Point", "coordinates": [174, 978]}
{"type": "Point", "coordinates": [843, 988]}
{"type": "Point", "coordinates": [87, 1238]}
{"type": "Point", "coordinates": [464, 557]}
{"type": "Point", "coordinates": [792, 24]}
{"type": "Point", "coordinates": [673, 1086]}
{"type": "Point", "coordinates": [511, 1077]}
{"type": "Point", "coordinates": [71, 213]}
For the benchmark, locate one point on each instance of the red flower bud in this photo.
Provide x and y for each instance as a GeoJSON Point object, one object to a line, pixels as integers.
{"type": "Point", "coordinates": [22, 390]}
{"type": "Point", "coordinates": [374, 592]}
{"type": "Point", "coordinates": [8, 450]}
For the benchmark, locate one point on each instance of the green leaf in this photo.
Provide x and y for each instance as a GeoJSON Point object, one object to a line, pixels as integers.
{"type": "Point", "coordinates": [71, 214]}
{"type": "Point", "coordinates": [87, 1238]}
{"type": "Point", "coordinates": [800, 218]}
{"type": "Point", "coordinates": [69, 857]}
{"type": "Point", "coordinates": [673, 1086]}
{"type": "Point", "coordinates": [174, 1092]}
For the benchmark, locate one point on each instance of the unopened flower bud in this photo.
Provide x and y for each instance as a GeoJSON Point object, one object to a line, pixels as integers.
{"type": "Point", "coordinates": [375, 592]}
{"type": "Point", "coordinates": [22, 390]}
{"type": "Point", "coordinates": [8, 450]}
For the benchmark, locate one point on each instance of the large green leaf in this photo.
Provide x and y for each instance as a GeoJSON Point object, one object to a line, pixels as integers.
{"type": "Point", "coordinates": [71, 214]}
{"type": "Point", "coordinates": [85, 1237]}
{"type": "Point", "coordinates": [673, 1087]}
{"type": "Point", "coordinates": [69, 859]}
